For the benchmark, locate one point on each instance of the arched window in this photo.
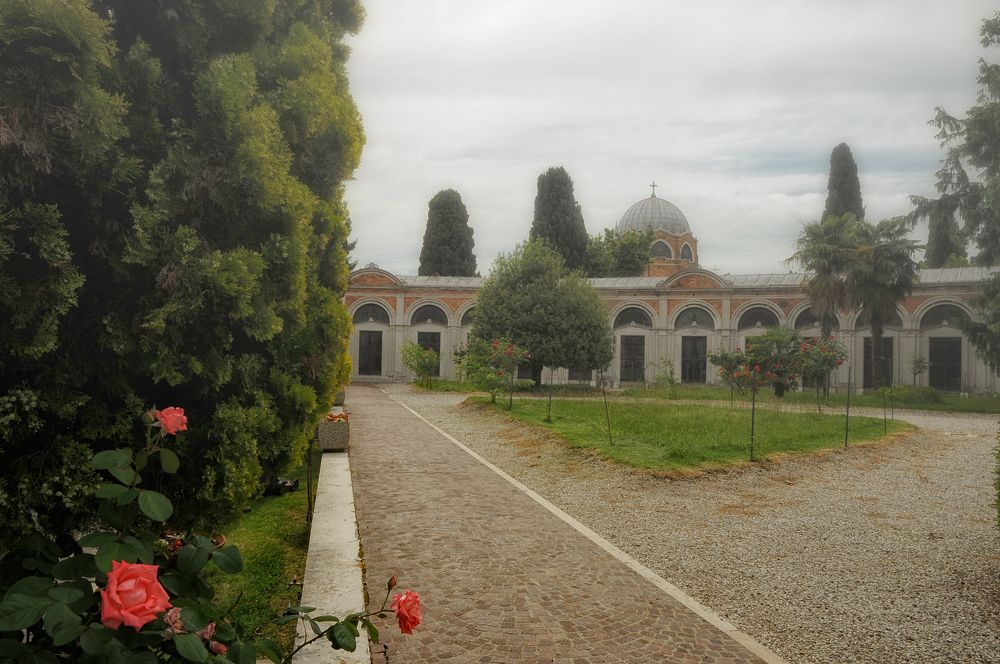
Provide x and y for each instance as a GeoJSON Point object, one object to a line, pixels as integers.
{"type": "Point", "coordinates": [757, 317]}
{"type": "Point", "coordinates": [694, 317]}
{"type": "Point", "coordinates": [807, 319]}
{"type": "Point", "coordinates": [469, 317]}
{"type": "Point", "coordinates": [429, 313]}
{"type": "Point", "coordinates": [371, 313]}
{"type": "Point", "coordinates": [943, 315]}
{"type": "Point", "coordinates": [686, 253]}
{"type": "Point", "coordinates": [661, 249]}
{"type": "Point", "coordinates": [862, 323]}
{"type": "Point", "coordinates": [633, 316]}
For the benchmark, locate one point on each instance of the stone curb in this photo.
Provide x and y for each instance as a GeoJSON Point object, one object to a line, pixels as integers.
{"type": "Point", "coordinates": [333, 580]}
{"type": "Point", "coordinates": [673, 591]}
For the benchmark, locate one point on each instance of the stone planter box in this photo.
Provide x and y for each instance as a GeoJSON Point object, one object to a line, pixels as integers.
{"type": "Point", "coordinates": [339, 399]}
{"type": "Point", "coordinates": [334, 436]}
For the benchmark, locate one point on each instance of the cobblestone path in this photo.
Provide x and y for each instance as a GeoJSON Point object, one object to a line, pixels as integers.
{"type": "Point", "coordinates": [501, 578]}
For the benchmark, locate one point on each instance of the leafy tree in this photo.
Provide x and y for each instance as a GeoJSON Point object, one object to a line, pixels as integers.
{"type": "Point", "coordinates": [843, 188]}
{"type": "Point", "coordinates": [172, 231]}
{"type": "Point", "coordinates": [424, 362]}
{"type": "Point", "coordinates": [918, 365]}
{"type": "Point", "coordinates": [825, 249]}
{"type": "Point", "coordinates": [492, 366]}
{"type": "Point", "coordinates": [969, 176]}
{"type": "Point", "coordinates": [881, 274]}
{"type": "Point", "coordinates": [533, 300]}
{"type": "Point", "coordinates": [945, 243]}
{"type": "Point", "coordinates": [558, 219]}
{"type": "Point", "coordinates": [448, 243]}
{"type": "Point", "coordinates": [612, 255]}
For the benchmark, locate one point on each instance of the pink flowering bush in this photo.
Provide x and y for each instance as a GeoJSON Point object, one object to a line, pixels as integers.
{"type": "Point", "coordinates": [491, 366]}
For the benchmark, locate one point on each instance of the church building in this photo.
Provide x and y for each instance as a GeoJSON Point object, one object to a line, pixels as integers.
{"type": "Point", "coordinates": [679, 312]}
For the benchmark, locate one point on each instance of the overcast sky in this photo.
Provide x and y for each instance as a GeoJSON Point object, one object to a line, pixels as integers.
{"type": "Point", "coordinates": [732, 107]}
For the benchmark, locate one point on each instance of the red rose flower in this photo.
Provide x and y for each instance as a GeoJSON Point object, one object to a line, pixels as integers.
{"type": "Point", "coordinates": [407, 608]}
{"type": "Point", "coordinates": [172, 420]}
{"type": "Point", "coordinates": [133, 597]}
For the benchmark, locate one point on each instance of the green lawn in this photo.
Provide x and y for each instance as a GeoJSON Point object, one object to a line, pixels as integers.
{"type": "Point", "coordinates": [273, 539]}
{"type": "Point", "coordinates": [671, 436]}
{"type": "Point", "coordinates": [903, 398]}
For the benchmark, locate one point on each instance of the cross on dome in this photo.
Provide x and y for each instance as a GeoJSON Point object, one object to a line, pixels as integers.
{"type": "Point", "coordinates": [653, 186]}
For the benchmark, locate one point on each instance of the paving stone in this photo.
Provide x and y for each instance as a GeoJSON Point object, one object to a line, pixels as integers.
{"type": "Point", "coordinates": [500, 577]}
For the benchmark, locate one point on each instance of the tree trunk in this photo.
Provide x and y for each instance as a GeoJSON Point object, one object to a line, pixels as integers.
{"type": "Point", "coordinates": [826, 330]}
{"type": "Point", "coordinates": [876, 355]}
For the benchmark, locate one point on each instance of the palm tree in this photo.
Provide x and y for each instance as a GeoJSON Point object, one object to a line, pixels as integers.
{"type": "Point", "coordinates": [825, 249]}
{"type": "Point", "coordinates": [881, 274]}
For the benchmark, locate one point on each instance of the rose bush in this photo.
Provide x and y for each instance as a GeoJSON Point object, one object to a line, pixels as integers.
{"type": "Point", "coordinates": [125, 594]}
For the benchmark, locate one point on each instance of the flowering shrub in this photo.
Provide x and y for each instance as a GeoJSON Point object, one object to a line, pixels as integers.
{"type": "Point", "coordinates": [492, 366]}
{"type": "Point", "coordinates": [820, 356]}
{"type": "Point", "coordinates": [424, 362]}
{"type": "Point", "coordinates": [125, 593]}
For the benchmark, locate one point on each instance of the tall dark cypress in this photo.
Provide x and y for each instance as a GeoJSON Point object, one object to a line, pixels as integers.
{"type": "Point", "coordinates": [843, 189]}
{"type": "Point", "coordinates": [944, 240]}
{"type": "Point", "coordinates": [558, 219]}
{"type": "Point", "coordinates": [448, 242]}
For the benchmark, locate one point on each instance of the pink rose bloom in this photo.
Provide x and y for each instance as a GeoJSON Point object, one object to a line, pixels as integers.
{"type": "Point", "coordinates": [172, 420]}
{"type": "Point", "coordinates": [133, 597]}
{"type": "Point", "coordinates": [407, 608]}
{"type": "Point", "coordinates": [218, 648]}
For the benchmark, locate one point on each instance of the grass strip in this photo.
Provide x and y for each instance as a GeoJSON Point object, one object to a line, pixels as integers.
{"type": "Point", "coordinates": [904, 401]}
{"type": "Point", "coordinates": [273, 538]}
{"type": "Point", "coordinates": [660, 436]}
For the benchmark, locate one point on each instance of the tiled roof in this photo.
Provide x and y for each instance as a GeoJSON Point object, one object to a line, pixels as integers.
{"type": "Point", "coordinates": [442, 282]}
{"type": "Point", "coordinates": [945, 275]}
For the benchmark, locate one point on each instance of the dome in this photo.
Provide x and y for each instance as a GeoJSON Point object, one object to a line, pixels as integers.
{"type": "Point", "coordinates": [652, 214]}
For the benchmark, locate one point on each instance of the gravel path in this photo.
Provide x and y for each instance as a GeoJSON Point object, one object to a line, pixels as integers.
{"type": "Point", "coordinates": [886, 553]}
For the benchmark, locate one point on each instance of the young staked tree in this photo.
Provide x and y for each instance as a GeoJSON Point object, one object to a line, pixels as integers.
{"type": "Point", "coordinates": [881, 274]}
{"type": "Point", "coordinates": [843, 188]}
{"type": "Point", "coordinates": [448, 243]}
{"type": "Point", "coordinates": [558, 219]}
{"type": "Point", "coordinates": [172, 233]}
{"type": "Point", "coordinates": [532, 299]}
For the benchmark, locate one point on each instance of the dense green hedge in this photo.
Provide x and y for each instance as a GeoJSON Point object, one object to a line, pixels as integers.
{"type": "Point", "coordinates": [172, 232]}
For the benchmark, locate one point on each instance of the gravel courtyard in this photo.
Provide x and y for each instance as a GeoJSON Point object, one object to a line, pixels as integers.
{"type": "Point", "coordinates": [886, 553]}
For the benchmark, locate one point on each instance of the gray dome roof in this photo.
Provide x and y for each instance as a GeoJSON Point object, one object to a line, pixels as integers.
{"type": "Point", "coordinates": [653, 214]}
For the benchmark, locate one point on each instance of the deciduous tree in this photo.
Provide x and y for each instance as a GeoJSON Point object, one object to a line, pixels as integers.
{"type": "Point", "coordinates": [531, 298]}
{"type": "Point", "coordinates": [448, 243]}
{"type": "Point", "coordinates": [612, 255]}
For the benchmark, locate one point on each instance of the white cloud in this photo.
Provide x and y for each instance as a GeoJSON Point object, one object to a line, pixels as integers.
{"type": "Point", "coordinates": [733, 107]}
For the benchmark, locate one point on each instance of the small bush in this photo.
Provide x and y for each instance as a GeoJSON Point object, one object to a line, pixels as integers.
{"type": "Point", "coordinates": [911, 395]}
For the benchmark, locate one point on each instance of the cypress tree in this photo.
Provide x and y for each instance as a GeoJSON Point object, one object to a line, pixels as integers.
{"type": "Point", "coordinates": [944, 240]}
{"type": "Point", "coordinates": [558, 218]}
{"type": "Point", "coordinates": [843, 188]}
{"type": "Point", "coordinates": [448, 243]}
{"type": "Point", "coordinates": [172, 233]}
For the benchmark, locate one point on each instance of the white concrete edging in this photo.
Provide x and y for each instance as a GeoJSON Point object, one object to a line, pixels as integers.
{"type": "Point", "coordinates": [333, 581]}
